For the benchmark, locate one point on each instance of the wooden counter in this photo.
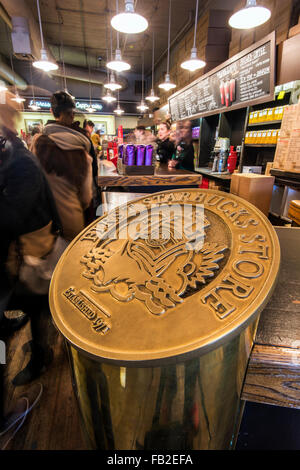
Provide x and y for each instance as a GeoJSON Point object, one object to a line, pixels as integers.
{"type": "Point", "coordinates": [163, 176]}
{"type": "Point", "coordinates": [273, 375]}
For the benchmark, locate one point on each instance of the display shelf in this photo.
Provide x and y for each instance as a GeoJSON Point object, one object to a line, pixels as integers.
{"type": "Point", "coordinates": [261, 145]}
{"type": "Point", "coordinates": [265, 123]}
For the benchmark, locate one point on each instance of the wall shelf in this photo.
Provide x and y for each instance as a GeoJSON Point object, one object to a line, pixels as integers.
{"type": "Point", "coordinates": [266, 123]}
{"type": "Point", "coordinates": [261, 145]}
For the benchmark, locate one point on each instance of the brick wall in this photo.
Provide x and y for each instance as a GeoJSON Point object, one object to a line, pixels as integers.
{"type": "Point", "coordinates": [213, 36]}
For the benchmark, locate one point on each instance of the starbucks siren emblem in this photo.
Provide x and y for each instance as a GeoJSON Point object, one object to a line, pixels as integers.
{"type": "Point", "coordinates": [141, 268]}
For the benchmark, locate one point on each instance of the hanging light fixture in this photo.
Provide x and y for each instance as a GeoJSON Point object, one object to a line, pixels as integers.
{"type": "Point", "coordinates": [90, 109]}
{"type": "Point", "coordinates": [117, 64]}
{"type": "Point", "coordinates": [112, 84]}
{"type": "Point", "coordinates": [143, 107]}
{"type": "Point", "coordinates": [108, 97]}
{"type": "Point", "coordinates": [119, 110]}
{"type": "Point", "coordinates": [167, 84]}
{"type": "Point", "coordinates": [152, 97]}
{"type": "Point", "coordinates": [33, 105]}
{"type": "Point", "coordinates": [249, 17]}
{"type": "Point", "coordinates": [129, 22]}
{"type": "Point", "coordinates": [44, 64]}
{"type": "Point", "coordinates": [62, 59]}
{"type": "Point", "coordinates": [18, 98]}
{"type": "Point", "coordinates": [194, 63]}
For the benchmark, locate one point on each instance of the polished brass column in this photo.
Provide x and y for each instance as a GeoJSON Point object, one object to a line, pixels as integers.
{"type": "Point", "coordinates": [160, 328]}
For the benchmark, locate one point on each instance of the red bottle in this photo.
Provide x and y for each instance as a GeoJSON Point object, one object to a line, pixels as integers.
{"type": "Point", "coordinates": [227, 94]}
{"type": "Point", "coordinates": [232, 159]}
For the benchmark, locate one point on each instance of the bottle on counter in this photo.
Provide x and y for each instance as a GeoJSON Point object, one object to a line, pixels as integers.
{"type": "Point", "coordinates": [215, 163]}
{"type": "Point", "coordinates": [232, 159]}
{"type": "Point", "coordinates": [222, 161]}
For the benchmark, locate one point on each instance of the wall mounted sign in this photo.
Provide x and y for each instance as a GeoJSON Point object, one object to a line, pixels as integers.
{"type": "Point", "coordinates": [81, 105]}
{"type": "Point", "coordinates": [247, 78]}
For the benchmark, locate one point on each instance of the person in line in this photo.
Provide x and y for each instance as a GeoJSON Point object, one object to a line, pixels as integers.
{"type": "Point", "coordinates": [29, 225]}
{"type": "Point", "coordinates": [140, 134]}
{"type": "Point", "coordinates": [184, 157]}
{"type": "Point", "coordinates": [165, 147]}
{"type": "Point", "coordinates": [88, 127]}
{"type": "Point", "coordinates": [63, 153]}
{"type": "Point", "coordinates": [96, 139]}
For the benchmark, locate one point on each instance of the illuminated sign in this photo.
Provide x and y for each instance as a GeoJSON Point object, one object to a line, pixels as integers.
{"type": "Point", "coordinates": [41, 104]}
{"type": "Point", "coordinates": [96, 106]}
{"type": "Point", "coordinates": [79, 105]}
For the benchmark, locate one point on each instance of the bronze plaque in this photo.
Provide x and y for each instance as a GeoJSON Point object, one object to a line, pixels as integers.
{"type": "Point", "coordinates": [165, 276]}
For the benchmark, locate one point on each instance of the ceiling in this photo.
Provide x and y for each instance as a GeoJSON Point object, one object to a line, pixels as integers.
{"type": "Point", "coordinates": [83, 28]}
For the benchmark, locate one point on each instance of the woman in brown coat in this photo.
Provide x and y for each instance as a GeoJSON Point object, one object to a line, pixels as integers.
{"type": "Point", "coordinates": [63, 154]}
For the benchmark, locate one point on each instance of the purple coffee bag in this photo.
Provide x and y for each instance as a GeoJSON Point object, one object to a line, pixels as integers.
{"type": "Point", "coordinates": [130, 155]}
{"type": "Point", "coordinates": [140, 154]}
{"type": "Point", "coordinates": [121, 151]}
{"type": "Point", "coordinates": [149, 155]}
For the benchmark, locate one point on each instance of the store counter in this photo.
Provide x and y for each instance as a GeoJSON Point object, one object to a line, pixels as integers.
{"type": "Point", "coordinates": [163, 176]}
{"type": "Point", "coordinates": [273, 373]}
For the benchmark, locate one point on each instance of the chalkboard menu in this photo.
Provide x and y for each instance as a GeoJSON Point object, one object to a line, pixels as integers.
{"type": "Point", "coordinates": [247, 78]}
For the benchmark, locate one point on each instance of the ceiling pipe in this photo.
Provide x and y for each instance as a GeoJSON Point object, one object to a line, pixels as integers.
{"type": "Point", "coordinates": [5, 16]}
{"type": "Point", "coordinates": [11, 77]}
{"type": "Point", "coordinates": [81, 74]}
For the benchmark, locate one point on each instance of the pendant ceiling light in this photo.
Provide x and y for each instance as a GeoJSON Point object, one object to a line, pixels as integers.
{"type": "Point", "coordinates": [18, 98]}
{"type": "Point", "coordinates": [44, 64]}
{"type": "Point", "coordinates": [249, 17]}
{"type": "Point", "coordinates": [194, 63]}
{"type": "Point", "coordinates": [112, 84]}
{"type": "Point", "coordinates": [62, 60]}
{"type": "Point", "coordinates": [129, 22]}
{"type": "Point", "coordinates": [167, 85]}
{"type": "Point", "coordinates": [119, 110]}
{"type": "Point", "coordinates": [118, 64]}
{"type": "Point", "coordinates": [90, 109]}
{"type": "Point", "coordinates": [143, 107]}
{"type": "Point", "coordinates": [33, 106]}
{"type": "Point", "coordinates": [108, 97]}
{"type": "Point", "coordinates": [152, 97]}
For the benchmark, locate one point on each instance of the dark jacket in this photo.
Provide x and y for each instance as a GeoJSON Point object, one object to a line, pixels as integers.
{"type": "Point", "coordinates": [26, 201]}
{"type": "Point", "coordinates": [185, 156]}
{"type": "Point", "coordinates": [165, 150]}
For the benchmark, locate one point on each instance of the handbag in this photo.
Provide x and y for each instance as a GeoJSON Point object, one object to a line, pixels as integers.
{"type": "Point", "coordinates": [35, 273]}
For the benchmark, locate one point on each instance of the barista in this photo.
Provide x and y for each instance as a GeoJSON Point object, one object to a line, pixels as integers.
{"type": "Point", "coordinates": [165, 147]}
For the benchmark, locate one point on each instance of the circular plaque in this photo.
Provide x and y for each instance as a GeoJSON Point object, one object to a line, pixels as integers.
{"type": "Point", "coordinates": [169, 275]}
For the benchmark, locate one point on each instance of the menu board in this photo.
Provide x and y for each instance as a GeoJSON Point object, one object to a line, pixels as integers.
{"type": "Point", "coordinates": [247, 78]}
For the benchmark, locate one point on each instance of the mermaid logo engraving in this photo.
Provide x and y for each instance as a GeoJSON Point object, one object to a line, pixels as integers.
{"type": "Point", "coordinates": [155, 269]}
